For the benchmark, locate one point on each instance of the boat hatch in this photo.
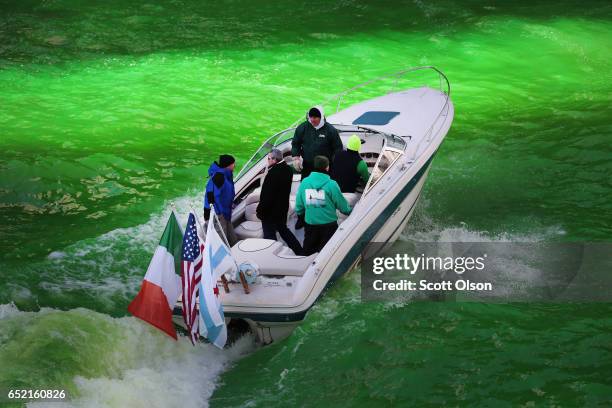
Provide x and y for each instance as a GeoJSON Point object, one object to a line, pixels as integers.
{"type": "Point", "coordinates": [378, 118]}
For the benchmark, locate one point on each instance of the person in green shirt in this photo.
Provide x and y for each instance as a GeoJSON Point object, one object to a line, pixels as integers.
{"type": "Point", "coordinates": [349, 167]}
{"type": "Point", "coordinates": [317, 200]}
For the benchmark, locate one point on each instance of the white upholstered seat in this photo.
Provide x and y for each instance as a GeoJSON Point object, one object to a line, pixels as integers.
{"type": "Point", "coordinates": [352, 199]}
{"type": "Point", "coordinates": [251, 228]}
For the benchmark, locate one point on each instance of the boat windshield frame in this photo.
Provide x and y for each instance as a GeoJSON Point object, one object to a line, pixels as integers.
{"type": "Point", "coordinates": [391, 142]}
{"type": "Point", "coordinates": [270, 143]}
{"type": "Point", "coordinates": [395, 78]}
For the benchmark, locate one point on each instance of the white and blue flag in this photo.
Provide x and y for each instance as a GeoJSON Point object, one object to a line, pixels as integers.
{"type": "Point", "coordinates": [217, 261]}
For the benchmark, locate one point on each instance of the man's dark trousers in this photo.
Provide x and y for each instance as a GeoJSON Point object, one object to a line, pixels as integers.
{"type": "Point", "coordinates": [270, 229]}
{"type": "Point", "coordinates": [316, 236]}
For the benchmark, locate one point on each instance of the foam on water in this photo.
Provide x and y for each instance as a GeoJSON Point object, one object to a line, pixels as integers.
{"type": "Point", "coordinates": [513, 273]}
{"type": "Point", "coordinates": [8, 310]}
{"type": "Point", "coordinates": [180, 376]}
{"type": "Point", "coordinates": [423, 228]}
{"type": "Point", "coordinates": [143, 236]}
{"type": "Point", "coordinates": [104, 361]}
{"type": "Point", "coordinates": [134, 365]}
{"type": "Point", "coordinates": [108, 268]}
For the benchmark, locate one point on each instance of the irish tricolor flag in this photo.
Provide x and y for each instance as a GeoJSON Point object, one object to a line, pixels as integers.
{"type": "Point", "coordinates": [162, 283]}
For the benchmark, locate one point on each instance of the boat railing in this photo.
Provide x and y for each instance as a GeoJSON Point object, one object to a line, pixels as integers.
{"type": "Point", "coordinates": [395, 77]}
{"type": "Point", "coordinates": [337, 99]}
{"type": "Point", "coordinates": [444, 85]}
{"type": "Point", "coordinates": [427, 137]}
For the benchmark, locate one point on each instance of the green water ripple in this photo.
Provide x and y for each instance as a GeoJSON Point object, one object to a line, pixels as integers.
{"type": "Point", "coordinates": [110, 111]}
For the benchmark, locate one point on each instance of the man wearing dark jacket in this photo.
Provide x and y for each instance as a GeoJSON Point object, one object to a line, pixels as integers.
{"type": "Point", "coordinates": [349, 168]}
{"type": "Point", "coordinates": [274, 201]}
{"type": "Point", "coordinates": [314, 137]}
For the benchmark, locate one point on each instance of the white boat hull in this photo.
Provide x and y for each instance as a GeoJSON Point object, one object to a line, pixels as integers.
{"type": "Point", "coordinates": [269, 332]}
{"type": "Point", "coordinates": [380, 216]}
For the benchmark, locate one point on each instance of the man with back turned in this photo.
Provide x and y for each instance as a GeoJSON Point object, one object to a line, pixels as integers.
{"type": "Point", "coordinates": [317, 199]}
{"type": "Point", "coordinates": [349, 168]}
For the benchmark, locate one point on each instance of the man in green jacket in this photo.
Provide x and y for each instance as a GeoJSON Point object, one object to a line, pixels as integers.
{"type": "Point", "coordinates": [317, 199]}
{"type": "Point", "coordinates": [314, 137]}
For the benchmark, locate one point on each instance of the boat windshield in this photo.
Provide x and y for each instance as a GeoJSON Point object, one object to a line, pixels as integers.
{"type": "Point", "coordinates": [392, 150]}
{"type": "Point", "coordinates": [265, 148]}
{"type": "Point", "coordinates": [396, 142]}
{"type": "Point", "coordinates": [385, 160]}
{"type": "Point", "coordinates": [392, 142]}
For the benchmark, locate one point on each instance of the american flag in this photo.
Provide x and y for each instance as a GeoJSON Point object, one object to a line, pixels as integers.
{"type": "Point", "coordinates": [191, 273]}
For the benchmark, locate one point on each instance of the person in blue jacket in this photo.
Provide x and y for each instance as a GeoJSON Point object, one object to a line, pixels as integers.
{"type": "Point", "coordinates": [220, 192]}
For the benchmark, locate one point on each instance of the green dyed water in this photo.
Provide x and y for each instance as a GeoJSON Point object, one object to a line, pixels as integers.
{"type": "Point", "coordinates": [110, 111]}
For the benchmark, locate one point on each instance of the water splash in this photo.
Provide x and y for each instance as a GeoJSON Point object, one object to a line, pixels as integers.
{"type": "Point", "coordinates": [104, 361]}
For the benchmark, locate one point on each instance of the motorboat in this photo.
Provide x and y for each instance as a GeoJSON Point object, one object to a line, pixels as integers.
{"type": "Point", "coordinates": [401, 131]}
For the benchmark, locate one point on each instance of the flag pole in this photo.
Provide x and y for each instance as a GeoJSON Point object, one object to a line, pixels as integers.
{"type": "Point", "coordinates": [197, 218]}
{"type": "Point", "coordinates": [223, 278]}
{"type": "Point", "coordinates": [173, 210]}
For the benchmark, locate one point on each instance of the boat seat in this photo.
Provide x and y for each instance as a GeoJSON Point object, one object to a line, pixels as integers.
{"type": "Point", "coordinates": [272, 257]}
{"type": "Point", "coordinates": [295, 185]}
{"type": "Point", "coordinates": [352, 199]}
{"type": "Point", "coordinates": [251, 227]}
{"type": "Point", "coordinates": [370, 158]}
{"type": "Point", "coordinates": [250, 209]}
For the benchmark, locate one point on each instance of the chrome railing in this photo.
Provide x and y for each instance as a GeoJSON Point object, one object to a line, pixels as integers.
{"type": "Point", "coordinates": [429, 134]}
{"type": "Point", "coordinates": [444, 87]}
{"type": "Point", "coordinates": [396, 76]}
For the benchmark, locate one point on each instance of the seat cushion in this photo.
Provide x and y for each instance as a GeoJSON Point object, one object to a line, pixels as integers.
{"type": "Point", "coordinates": [291, 210]}
{"type": "Point", "coordinates": [249, 229]}
{"type": "Point", "coordinates": [352, 199]}
{"type": "Point", "coordinates": [250, 212]}
{"type": "Point", "coordinates": [272, 257]}
{"type": "Point", "coordinates": [253, 197]}
{"type": "Point", "coordinates": [252, 201]}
